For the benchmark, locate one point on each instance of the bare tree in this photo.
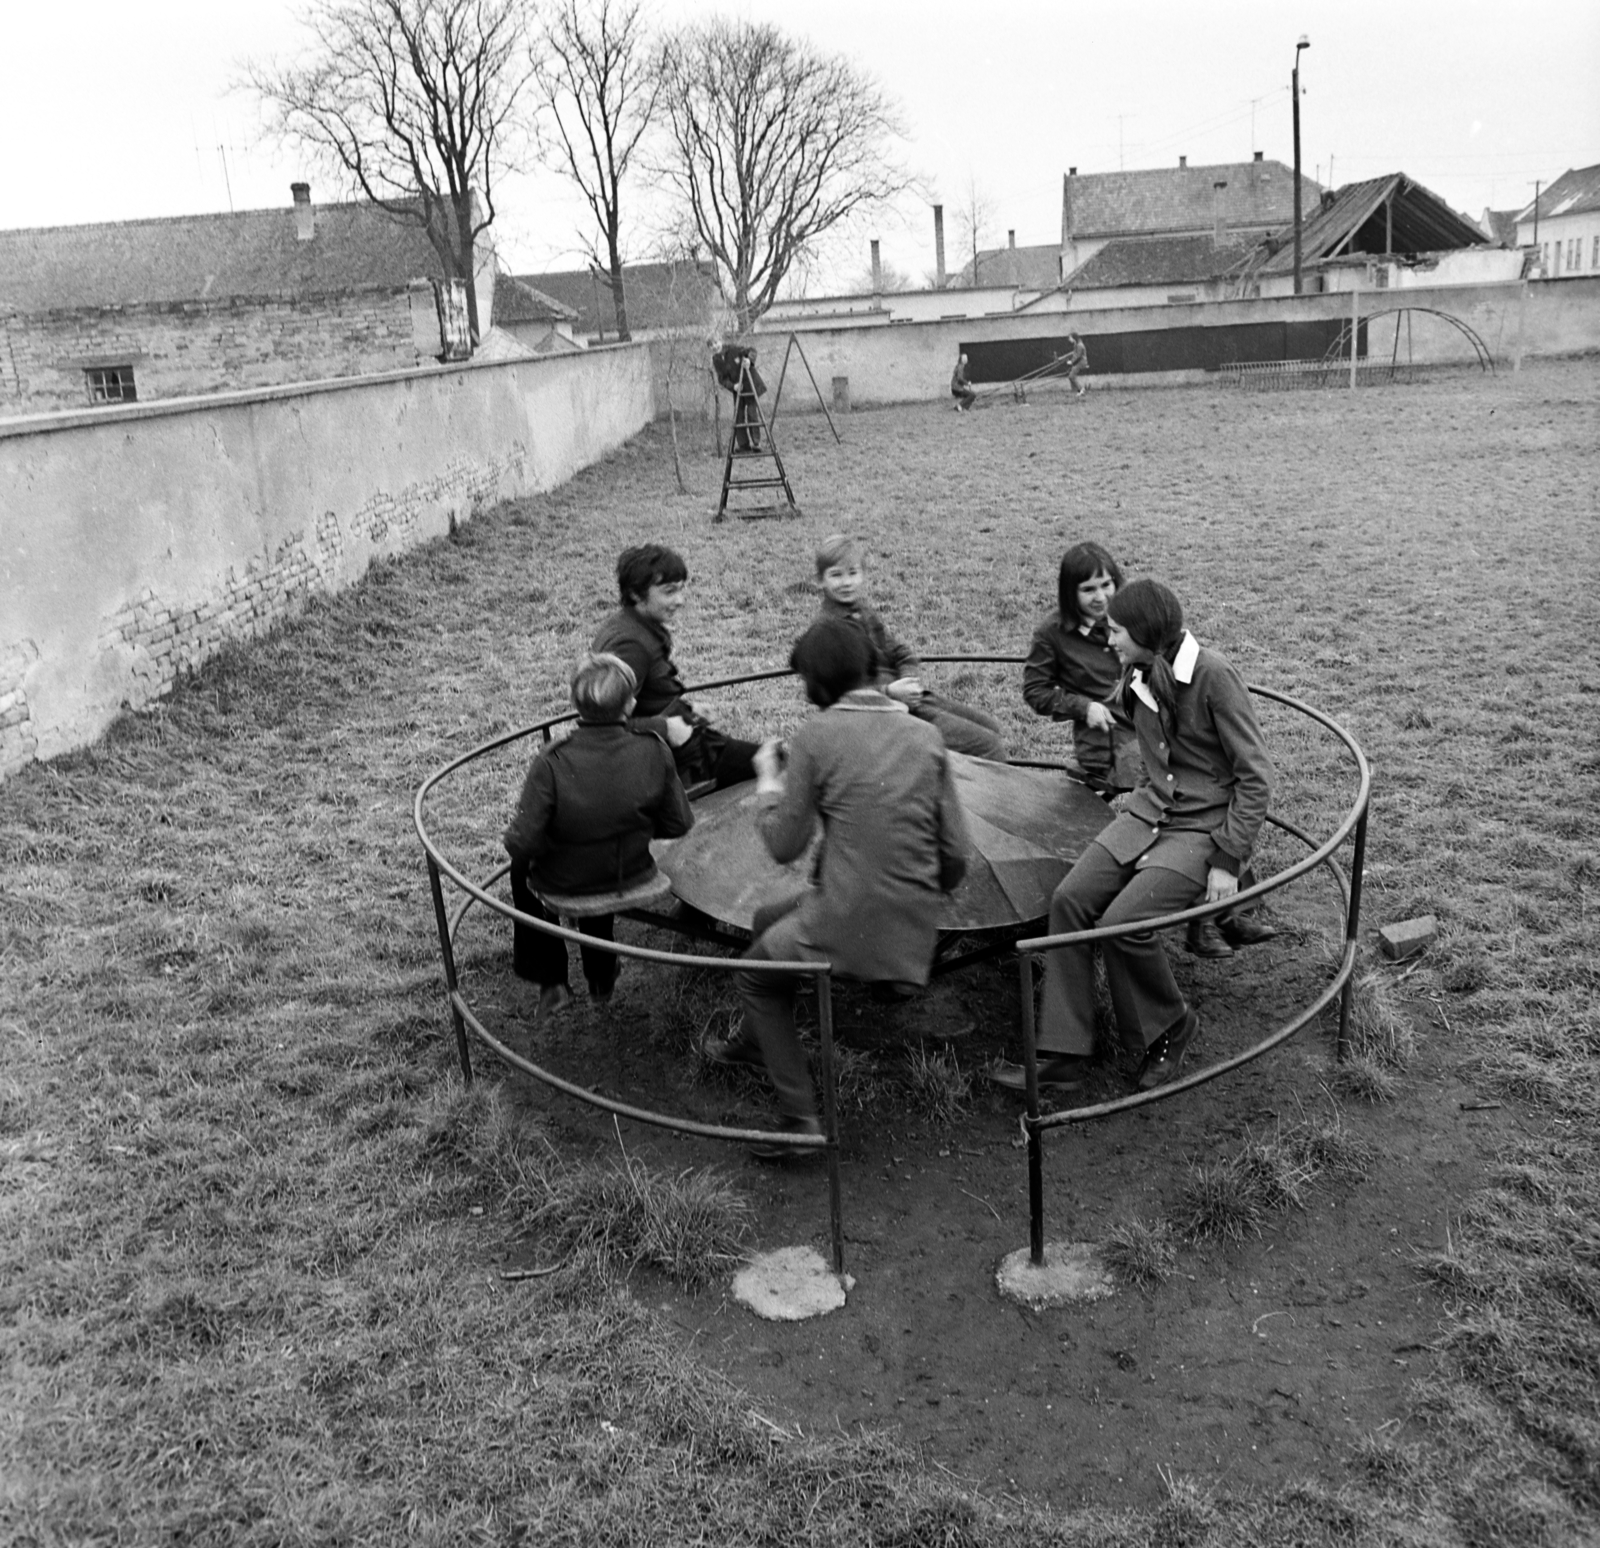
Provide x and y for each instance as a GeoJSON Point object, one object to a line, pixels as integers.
{"type": "Point", "coordinates": [415, 101]}
{"type": "Point", "coordinates": [773, 144]}
{"type": "Point", "coordinates": [973, 217]}
{"type": "Point", "coordinates": [598, 84]}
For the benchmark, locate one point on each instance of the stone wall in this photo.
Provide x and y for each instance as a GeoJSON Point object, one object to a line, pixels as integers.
{"type": "Point", "coordinates": [178, 349]}
{"type": "Point", "coordinates": [137, 541]}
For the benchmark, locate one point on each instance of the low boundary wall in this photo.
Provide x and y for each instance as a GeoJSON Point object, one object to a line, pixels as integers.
{"type": "Point", "coordinates": [911, 362]}
{"type": "Point", "coordinates": [135, 542]}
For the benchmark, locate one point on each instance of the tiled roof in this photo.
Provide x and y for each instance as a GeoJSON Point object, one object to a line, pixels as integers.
{"type": "Point", "coordinates": [649, 288]}
{"type": "Point", "coordinates": [191, 257]}
{"type": "Point", "coordinates": [1421, 223]}
{"type": "Point", "coordinates": [1573, 193]}
{"type": "Point", "coordinates": [1182, 260]}
{"type": "Point", "coordinates": [1028, 268]}
{"type": "Point", "coordinates": [517, 301]}
{"type": "Point", "coordinates": [1169, 200]}
{"type": "Point", "coordinates": [1500, 226]}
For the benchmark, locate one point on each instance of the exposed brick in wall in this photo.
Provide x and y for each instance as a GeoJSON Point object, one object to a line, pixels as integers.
{"type": "Point", "coordinates": [159, 639]}
{"type": "Point", "coordinates": [185, 348]}
{"type": "Point", "coordinates": [18, 742]}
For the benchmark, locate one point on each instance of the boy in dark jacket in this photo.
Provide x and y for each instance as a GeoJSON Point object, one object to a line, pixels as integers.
{"type": "Point", "coordinates": [652, 581]}
{"type": "Point", "coordinates": [589, 808]}
{"type": "Point", "coordinates": [841, 572]}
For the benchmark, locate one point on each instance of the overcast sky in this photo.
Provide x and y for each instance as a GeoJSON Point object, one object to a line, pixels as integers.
{"type": "Point", "coordinates": [113, 111]}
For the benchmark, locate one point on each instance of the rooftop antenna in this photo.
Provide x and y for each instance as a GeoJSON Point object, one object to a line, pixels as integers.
{"type": "Point", "coordinates": [222, 151]}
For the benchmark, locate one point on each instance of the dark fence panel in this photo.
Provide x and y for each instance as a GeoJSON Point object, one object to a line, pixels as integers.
{"type": "Point", "coordinates": [1192, 348]}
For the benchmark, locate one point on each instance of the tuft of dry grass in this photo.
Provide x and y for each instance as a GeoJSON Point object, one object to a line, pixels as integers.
{"type": "Point", "coordinates": [1232, 1198]}
{"type": "Point", "coordinates": [937, 1088]}
{"type": "Point", "coordinates": [1141, 1252]}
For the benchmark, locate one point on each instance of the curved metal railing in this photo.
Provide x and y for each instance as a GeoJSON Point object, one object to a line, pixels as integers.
{"type": "Point", "coordinates": [464, 1020]}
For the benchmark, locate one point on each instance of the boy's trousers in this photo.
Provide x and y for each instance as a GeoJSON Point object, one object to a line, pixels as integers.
{"type": "Point", "coordinates": [1101, 890]}
{"type": "Point", "coordinates": [543, 958]}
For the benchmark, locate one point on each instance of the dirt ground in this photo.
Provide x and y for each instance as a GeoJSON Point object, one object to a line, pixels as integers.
{"type": "Point", "coordinates": [1326, 538]}
{"type": "Point", "coordinates": [1255, 1363]}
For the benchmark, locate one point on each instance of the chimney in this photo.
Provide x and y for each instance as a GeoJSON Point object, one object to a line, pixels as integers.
{"type": "Point", "coordinates": [304, 221]}
{"type": "Point", "coordinates": [1216, 213]}
{"type": "Point", "coordinates": [1183, 161]}
{"type": "Point", "coordinates": [1068, 253]}
{"type": "Point", "coordinates": [938, 245]}
{"type": "Point", "coordinates": [877, 270]}
{"type": "Point", "coordinates": [1011, 238]}
{"type": "Point", "coordinates": [1260, 154]}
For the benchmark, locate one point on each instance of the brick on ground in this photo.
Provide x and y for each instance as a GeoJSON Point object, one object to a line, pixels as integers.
{"type": "Point", "coordinates": [1408, 937]}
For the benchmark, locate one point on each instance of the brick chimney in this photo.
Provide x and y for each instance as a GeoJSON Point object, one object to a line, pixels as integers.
{"type": "Point", "coordinates": [1260, 154]}
{"type": "Point", "coordinates": [1011, 238]}
{"type": "Point", "coordinates": [938, 245]}
{"type": "Point", "coordinates": [304, 220]}
{"type": "Point", "coordinates": [877, 270]}
{"type": "Point", "coordinates": [1183, 161]}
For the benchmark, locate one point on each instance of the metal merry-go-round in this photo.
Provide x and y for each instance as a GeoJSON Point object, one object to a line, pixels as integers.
{"type": "Point", "coordinates": [1040, 817]}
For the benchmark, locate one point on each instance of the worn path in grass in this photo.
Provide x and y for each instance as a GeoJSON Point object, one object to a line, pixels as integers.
{"type": "Point", "coordinates": [1357, 552]}
{"type": "Point", "coordinates": [246, 1284]}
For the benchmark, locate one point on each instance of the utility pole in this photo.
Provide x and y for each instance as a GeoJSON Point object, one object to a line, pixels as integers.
{"type": "Point", "coordinates": [1294, 87]}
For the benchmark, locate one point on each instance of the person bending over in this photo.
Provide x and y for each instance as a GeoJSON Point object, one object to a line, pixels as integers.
{"type": "Point", "coordinates": [960, 387]}
{"type": "Point", "coordinates": [1186, 831]}
{"type": "Point", "coordinates": [653, 582]}
{"type": "Point", "coordinates": [589, 807]}
{"type": "Point", "coordinates": [1072, 670]}
{"type": "Point", "coordinates": [841, 573]}
{"type": "Point", "coordinates": [1077, 362]}
{"type": "Point", "coordinates": [894, 843]}
{"type": "Point", "coordinates": [728, 363]}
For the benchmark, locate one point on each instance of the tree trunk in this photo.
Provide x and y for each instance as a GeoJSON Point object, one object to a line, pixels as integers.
{"type": "Point", "coordinates": [468, 264]}
{"type": "Point", "coordinates": [618, 299]}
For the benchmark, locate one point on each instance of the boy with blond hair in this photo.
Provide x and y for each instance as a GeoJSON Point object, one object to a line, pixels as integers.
{"type": "Point", "coordinates": [841, 573]}
{"type": "Point", "coordinates": [590, 806]}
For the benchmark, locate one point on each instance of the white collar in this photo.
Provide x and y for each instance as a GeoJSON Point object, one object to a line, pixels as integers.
{"type": "Point", "coordinates": [1182, 669]}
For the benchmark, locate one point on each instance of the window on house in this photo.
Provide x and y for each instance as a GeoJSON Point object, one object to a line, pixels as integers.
{"type": "Point", "coordinates": [110, 384]}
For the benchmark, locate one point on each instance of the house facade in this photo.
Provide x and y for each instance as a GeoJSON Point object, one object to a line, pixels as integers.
{"type": "Point", "coordinates": [152, 309]}
{"type": "Point", "coordinates": [1564, 226]}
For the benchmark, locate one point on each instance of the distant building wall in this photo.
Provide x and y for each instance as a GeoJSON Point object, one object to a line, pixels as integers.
{"type": "Point", "coordinates": [136, 541]}
{"type": "Point", "coordinates": [178, 349]}
{"type": "Point", "coordinates": [911, 362]}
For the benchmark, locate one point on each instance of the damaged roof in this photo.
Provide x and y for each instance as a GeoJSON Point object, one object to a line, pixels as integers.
{"type": "Point", "coordinates": [1354, 220]}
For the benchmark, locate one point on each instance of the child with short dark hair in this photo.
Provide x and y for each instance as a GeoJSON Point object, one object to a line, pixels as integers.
{"type": "Point", "coordinates": [652, 582]}
{"type": "Point", "coordinates": [589, 807]}
{"type": "Point", "coordinates": [893, 668]}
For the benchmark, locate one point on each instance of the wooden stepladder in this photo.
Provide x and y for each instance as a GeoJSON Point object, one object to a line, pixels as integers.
{"type": "Point", "coordinates": [752, 441]}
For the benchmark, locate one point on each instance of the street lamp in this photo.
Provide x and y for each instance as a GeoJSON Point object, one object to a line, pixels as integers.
{"type": "Point", "coordinates": [1294, 91]}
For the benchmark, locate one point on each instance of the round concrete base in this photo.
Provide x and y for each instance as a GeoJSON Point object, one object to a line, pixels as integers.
{"type": "Point", "coordinates": [790, 1284]}
{"type": "Point", "coordinates": [1072, 1271]}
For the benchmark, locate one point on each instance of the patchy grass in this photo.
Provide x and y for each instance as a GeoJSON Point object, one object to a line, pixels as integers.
{"type": "Point", "coordinates": [250, 1278]}
{"type": "Point", "coordinates": [1234, 1197]}
{"type": "Point", "coordinates": [1141, 1252]}
{"type": "Point", "coordinates": [937, 1088]}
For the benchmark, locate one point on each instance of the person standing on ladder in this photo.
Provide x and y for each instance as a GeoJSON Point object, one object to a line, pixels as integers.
{"type": "Point", "coordinates": [735, 366]}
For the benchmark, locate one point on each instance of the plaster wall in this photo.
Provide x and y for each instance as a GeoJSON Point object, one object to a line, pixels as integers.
{"type": "Point", "coordinates": [911, 362]}
{"type": "Point", "coordinates": [136, 541]}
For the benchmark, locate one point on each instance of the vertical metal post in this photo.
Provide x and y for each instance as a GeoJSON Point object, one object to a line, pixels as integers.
{"type": "Point", "coordinates": [447, 951]}
{"type": "Point", "coordinates": [1352, 927]}
{"type": "Point", "coordinates": [1355, 332]}
{"type": "Point", "coordinates": [1294, 91]}
{"type": "Point", "coordinates": [830, 1120]}
{"type": "Point", "coordinates": [1030, 1063]}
